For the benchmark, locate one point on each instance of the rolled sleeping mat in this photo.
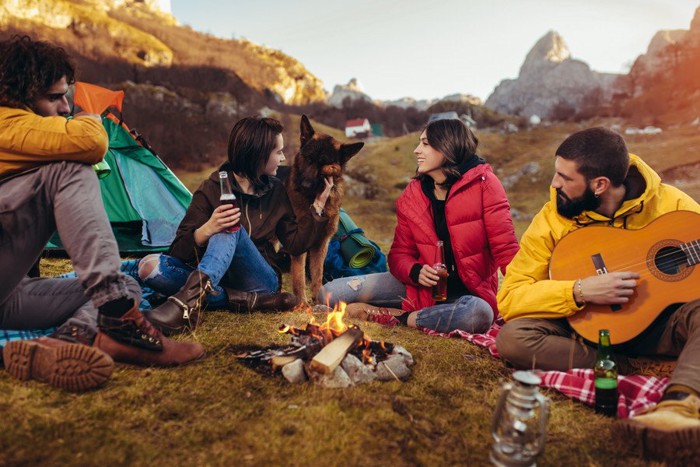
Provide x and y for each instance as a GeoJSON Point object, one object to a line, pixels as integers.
{"type": "Point", "coordinates": [355, 248]}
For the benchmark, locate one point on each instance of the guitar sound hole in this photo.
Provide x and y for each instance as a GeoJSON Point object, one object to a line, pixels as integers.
{"type": "Point", "coordinates": [670, 260]}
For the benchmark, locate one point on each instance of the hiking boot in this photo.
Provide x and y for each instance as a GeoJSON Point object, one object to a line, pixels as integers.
{"type": "Point", "coordinates": [242, 302]}
{"type": "Point", "coordinates": [74, 334]}
{"type": "Point", "coordinates": [669, 431]}
{"type": "Point", "coordinates": [74, 367]}
{"type": "Point", "coordinates": [184, 309]}
{"type": "Point", "coordinates": [375, 314]}
{"type": "Point", "coordinates": [132, 339]}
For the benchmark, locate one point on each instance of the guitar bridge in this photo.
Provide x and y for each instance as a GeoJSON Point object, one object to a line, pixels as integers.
{"type": "Point", "coordinates": [601, 269]}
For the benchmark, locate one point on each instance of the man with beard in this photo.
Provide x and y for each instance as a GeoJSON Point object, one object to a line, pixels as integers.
{"type": "Point", "coordinates": [47, 185]}
{"type": "Point", "coordinates": [597, 182]}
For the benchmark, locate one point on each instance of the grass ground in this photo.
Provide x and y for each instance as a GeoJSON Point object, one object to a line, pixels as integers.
{"type": "Point", "coordinates": [219, 412]}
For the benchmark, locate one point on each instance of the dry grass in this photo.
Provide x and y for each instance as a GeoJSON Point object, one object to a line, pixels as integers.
{"type": "Point", "coordinates": [219, 412]}
{"type": "Point", "coordinates": [222, 413]}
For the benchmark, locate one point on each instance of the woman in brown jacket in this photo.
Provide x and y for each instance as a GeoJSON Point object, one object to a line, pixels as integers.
{"type": "Point", "coordinates": [205, 253]}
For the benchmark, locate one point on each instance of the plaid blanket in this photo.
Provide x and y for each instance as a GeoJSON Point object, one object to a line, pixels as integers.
{"type": "Point", "coordinates": [636, 392]}
{"type": "Point", "coordinates": [7, 336]}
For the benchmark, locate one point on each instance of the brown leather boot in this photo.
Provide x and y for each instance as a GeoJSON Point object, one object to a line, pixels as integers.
{"type": "Point", "coordinates": [183, 310]}
{"type": "Point", "coordinates": [669, 431]}
{"type": "Point", "coordinates": [242, 302]}
{"type": "Point", "coordinates": [61, 364]}
{"type": "Point", "coordinates": [132, 339]}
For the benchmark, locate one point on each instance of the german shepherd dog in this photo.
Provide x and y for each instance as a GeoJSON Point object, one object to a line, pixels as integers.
{"type": "Point", "coordinates": [319, 156]}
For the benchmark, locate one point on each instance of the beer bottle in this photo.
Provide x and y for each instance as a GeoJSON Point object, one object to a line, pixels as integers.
{"type": "Point", "coordinates": [227, 197]}
{"type": "Point", "coordinates": [605, 371]}
{"type": "Point", "coordinates": [440, 289]}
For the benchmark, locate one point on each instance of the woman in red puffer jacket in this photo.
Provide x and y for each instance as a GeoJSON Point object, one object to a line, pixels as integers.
{"type": "Point", "coordinates": [456, 198]}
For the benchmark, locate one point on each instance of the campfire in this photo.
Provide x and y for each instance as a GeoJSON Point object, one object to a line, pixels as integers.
{"type": "Point", "coordinates": [333, 354]}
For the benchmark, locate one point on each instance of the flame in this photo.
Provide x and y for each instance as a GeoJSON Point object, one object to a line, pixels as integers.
{"type": "Point", "coordinates": [333, 327]}
{"type": "Point", "coordinates": [334, 321]}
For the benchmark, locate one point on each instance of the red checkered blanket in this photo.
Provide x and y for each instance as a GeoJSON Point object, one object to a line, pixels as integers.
{"type": "Point", "coordinates": [636, 392]}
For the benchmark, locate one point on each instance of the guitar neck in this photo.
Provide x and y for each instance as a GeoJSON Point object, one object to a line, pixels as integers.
{"type": "Point", "coordinates": [692, 251]}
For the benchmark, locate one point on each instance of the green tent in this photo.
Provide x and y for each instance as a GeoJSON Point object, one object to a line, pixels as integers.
{"type": "Point", "coordinates": [144, 200]}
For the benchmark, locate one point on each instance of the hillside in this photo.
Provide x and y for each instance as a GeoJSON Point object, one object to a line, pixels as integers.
{"type": "Point", "coordinates": [524, 161]}
{"type": "Point", "coordinates": [184, 89]}
{"type": "Point", "coordinates": [142, 38]}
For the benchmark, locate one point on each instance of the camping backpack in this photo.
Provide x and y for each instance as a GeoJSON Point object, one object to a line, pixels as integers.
{"type": "Point", "coordinates": [350, 253]}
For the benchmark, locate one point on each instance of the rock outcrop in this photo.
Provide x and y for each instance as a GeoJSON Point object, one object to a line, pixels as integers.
{"type": "Point", "coordinates": [143, 33]}
{"type": "Point", "coordinates": [90, 18]}
{"type": "Point", "coordinates": [665, 52]}
{"type": "Point", "coordinates": [551, 84]}
{"type": "Point", "coordinates": [352, 91]}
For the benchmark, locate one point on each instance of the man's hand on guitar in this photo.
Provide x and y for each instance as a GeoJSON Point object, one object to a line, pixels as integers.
{"type": "Point", "coordinates": [608, 289]}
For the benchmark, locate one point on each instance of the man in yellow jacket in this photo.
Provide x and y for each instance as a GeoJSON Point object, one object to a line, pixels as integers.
{"type": "Point", "coordinates": [597, 182]}
{"type": "Point", "coordinates": [47, 184]}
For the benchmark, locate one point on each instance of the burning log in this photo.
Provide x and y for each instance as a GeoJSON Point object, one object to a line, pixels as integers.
{"type": "Point", "coordinates": [379, 347]}
{"type": "Point", "coordinates": [333, 353]}
{"type": "Point", "coordinates": [305, 351]}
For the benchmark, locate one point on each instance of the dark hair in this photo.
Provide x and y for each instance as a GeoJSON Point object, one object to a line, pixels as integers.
{"type": "Point", "coordinates": [455, 141]}
{"type": "Point", "coordinates": [250, 143]}
{"type": "Point", "coordinates": [29, 68]}
{"type": "Point", "coordinates": [598, 152]}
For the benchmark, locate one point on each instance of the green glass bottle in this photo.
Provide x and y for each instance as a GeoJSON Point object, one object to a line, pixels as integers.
{"type": "Point", "coordinates": [605, 371]}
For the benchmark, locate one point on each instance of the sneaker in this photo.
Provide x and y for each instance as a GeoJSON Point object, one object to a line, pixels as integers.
{"type": "Point", "coordinates": [375, 314]}
{"type": "Point", "coordinates": [132, 339]}
{"type": "Point", "coordinates": [669, 431]}
{"type": "Point", "coordinates": [74, 367]}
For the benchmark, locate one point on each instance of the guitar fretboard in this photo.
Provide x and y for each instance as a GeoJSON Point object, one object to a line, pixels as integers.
{"type": "Point", "coordinates": [692, 251]}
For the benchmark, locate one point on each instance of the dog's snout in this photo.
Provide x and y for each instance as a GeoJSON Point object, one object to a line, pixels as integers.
{"type": "Point", "coordinates": [331, 170]}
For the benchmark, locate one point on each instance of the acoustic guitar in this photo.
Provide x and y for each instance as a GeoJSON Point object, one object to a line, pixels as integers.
{"type": "Point", "coordinates": [664, 253]}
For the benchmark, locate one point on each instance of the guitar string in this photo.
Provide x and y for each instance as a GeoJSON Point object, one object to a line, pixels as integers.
{"type": "Point", "coordinates": [625, 266]}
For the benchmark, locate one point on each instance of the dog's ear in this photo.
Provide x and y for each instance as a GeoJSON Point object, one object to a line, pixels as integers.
{"type": "Point", "coordinates": [349, 150]}
{"type": "Point", "coordinates": [307, 131]}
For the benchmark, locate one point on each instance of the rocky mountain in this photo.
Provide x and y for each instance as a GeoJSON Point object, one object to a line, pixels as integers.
{"type": "Point", "coordinates": [354, 92]}
{"type": "Point", "coordinates": [663, 85]}
{"type": "Point", "coordinates": [551, 84]}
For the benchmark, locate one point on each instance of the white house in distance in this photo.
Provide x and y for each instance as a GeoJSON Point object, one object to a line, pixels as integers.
{"type": "Point", "coordinates": [358, 127]}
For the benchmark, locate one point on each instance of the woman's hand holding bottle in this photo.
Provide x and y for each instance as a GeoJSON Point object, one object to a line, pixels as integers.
{"type": "Point", "coordinates": [428, 276]}
{"type": "Point", "coordinates": [224, 217]}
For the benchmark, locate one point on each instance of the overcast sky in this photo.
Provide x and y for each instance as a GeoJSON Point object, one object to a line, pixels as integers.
{"type": "Point", "coordinates": [425, 49]}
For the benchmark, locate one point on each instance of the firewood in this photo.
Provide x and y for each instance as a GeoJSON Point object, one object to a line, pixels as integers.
{"type": "Point", "coordinates": [279, 361]}
{"type": "Point", "coordinates": [302, 352]}
{"type": "Point", "coordinates": [332, 354]}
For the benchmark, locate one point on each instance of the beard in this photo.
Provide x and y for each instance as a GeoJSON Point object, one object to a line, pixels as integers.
{"type": "Point", "coordinates": [571, 208]}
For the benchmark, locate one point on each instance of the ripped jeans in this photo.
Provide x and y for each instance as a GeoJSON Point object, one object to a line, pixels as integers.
{"type": "Point", "coordinates": [231, 259]}
{"type": "Point", "coordinates": [468, 313]}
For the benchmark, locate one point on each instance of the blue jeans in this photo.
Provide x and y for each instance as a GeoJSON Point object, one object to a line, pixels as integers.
{"type": "Point", "coordinates": [380, 289]}
{"type": "Point", "coordinates": [231, 259]}
{"type": "Point", "coordinates": [468, 313]}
